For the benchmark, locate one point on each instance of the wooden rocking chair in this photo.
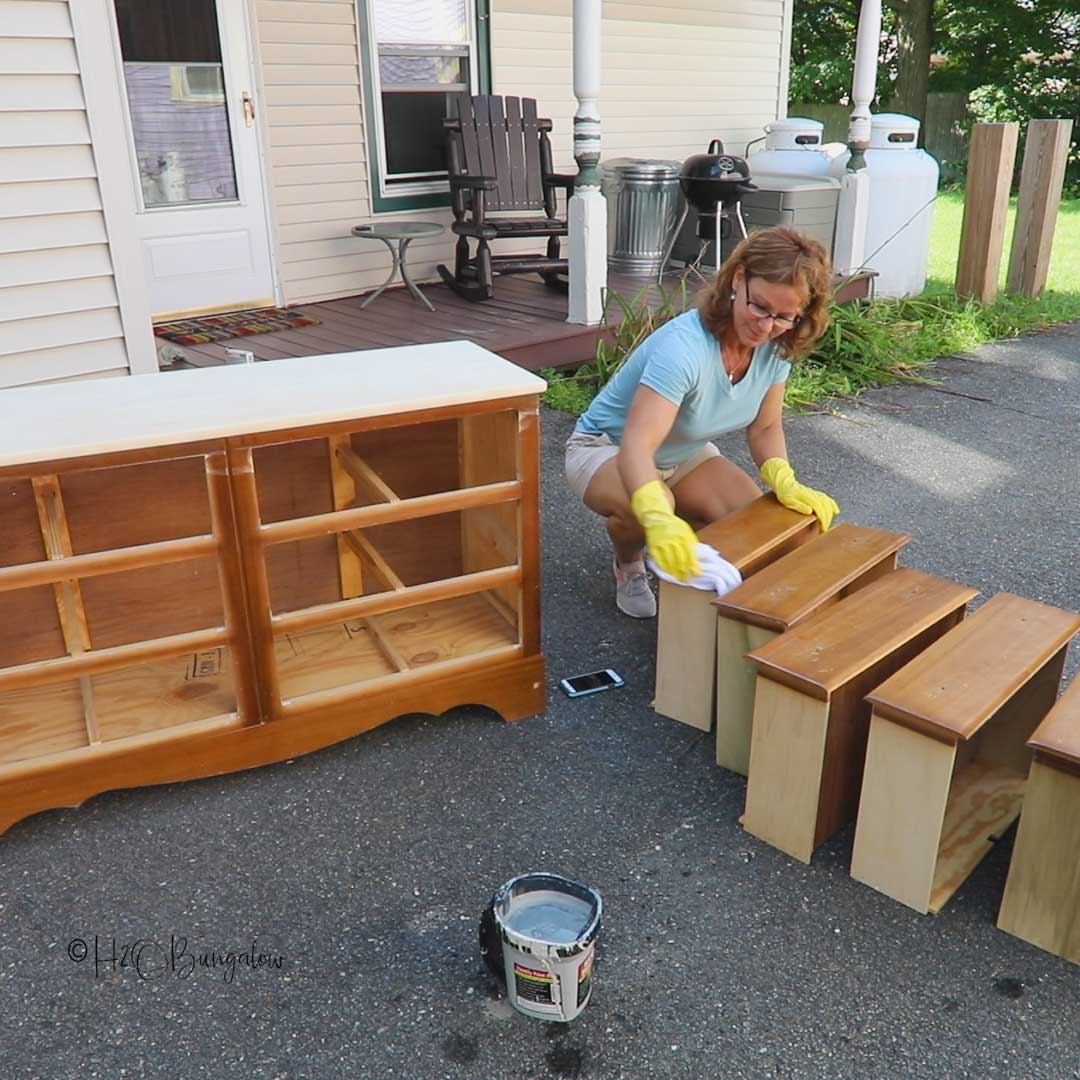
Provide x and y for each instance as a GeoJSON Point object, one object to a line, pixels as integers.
{"type": "Point", "coordinates": [501, 160]}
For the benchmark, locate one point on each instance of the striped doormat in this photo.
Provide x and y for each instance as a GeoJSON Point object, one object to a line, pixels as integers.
{"type": "Point", "coordinates": [237, 324]}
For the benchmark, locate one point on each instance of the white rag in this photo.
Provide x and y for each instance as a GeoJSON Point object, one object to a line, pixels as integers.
{"type": "Point", "coordinates": [717, 574]}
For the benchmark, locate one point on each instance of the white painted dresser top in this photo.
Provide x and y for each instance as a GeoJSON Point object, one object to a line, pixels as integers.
{"type": "Point", "coordinates": [100, 416]}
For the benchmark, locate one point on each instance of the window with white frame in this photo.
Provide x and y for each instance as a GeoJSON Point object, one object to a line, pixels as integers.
{"type": "Point", "coordinates": [419, 52]}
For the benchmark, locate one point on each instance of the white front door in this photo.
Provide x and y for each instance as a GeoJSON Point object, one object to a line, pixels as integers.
{"type": "Point", "coordinates": [189, 83]}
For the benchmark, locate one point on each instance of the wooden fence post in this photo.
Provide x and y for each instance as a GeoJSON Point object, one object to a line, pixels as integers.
{"type": "Point", "coordinates": [1045, 152]}
{"type": "Point", "coordinates": [982, 237]}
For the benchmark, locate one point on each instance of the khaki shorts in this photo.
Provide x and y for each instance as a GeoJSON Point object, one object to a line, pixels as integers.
{"type": "Point", "coordinates": [585, 454]}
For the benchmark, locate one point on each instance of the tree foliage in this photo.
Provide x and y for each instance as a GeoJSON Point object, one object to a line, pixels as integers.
{"type": "Point", "coordinates": [1040, 87]}
{"type": "Point", "coordinates": [987, 42]}
{"type": "Point", "coordinates": [1016, 59]}
{"type": "Point", "coordinates": [973, 43]}
{"type": "Point", "coordinates": [823, 50]}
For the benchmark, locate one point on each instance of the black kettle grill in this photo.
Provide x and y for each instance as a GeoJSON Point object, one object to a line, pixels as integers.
{"type": "Point", "coordinates": [713, 184]}
{"type": "Point", "coordinates": [716, 182]}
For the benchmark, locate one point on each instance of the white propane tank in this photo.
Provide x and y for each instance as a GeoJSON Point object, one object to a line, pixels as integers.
{"type": "Point", "coordinates": [903, 183]}
{"type": "Point", "coordinates": [792, 148]}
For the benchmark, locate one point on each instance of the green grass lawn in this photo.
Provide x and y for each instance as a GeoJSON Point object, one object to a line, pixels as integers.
{"type": "Point", "coordinates": [897, 340]}
{"type": "Point", "coordinates": [890, 340]}
{"type": "Point", "coordinates": [1064, 278]}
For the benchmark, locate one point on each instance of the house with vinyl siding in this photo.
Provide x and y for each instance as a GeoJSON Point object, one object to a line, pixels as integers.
{"type": "Point", "coordinates": [161, 158]}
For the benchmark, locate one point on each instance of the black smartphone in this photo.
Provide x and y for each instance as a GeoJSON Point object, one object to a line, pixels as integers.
{"type": "Point", "coordinates": [592, 683]}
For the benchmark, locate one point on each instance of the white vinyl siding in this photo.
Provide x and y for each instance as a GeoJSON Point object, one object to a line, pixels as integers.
{"type": "Point", "coordinates": [320, 186]}
{"type": "Point", "coordinates": [59, 311]}
{"type": "Point", "coordinates": [676, 74]}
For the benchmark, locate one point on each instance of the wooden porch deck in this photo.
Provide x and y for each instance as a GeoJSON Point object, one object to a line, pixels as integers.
{"type": "Point", "coordinates": [525, 322]}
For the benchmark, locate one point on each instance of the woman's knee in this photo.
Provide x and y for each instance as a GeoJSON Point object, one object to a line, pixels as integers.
{"type": "Point", "coordinates": [741, 493]}
{"type": "Point", "coordinates": [624, 530]}
{"type": "Point", "coordinates": [605, 493]}
{"type": "Point", "coordinates": [715, 492]}
{"type": "Point", "coordinates": [733, 498]}
{"type": "Point", "coordinates": [622, 518]}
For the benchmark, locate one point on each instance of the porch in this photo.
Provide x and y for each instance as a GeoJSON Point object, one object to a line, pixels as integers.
{"type": "Point", "coordinates": [525, 322]}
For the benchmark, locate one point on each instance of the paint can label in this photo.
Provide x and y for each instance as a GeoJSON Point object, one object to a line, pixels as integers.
{"type": "Point", "coordinates": [532, 984]}
{"type": "Point", "coordinates": [584, 980]}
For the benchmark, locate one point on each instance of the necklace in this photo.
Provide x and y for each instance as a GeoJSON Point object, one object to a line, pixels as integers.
{"type": "Point", "coordinates": [736, 373]}
{"type": "Point", "coordinates": [730, 347]}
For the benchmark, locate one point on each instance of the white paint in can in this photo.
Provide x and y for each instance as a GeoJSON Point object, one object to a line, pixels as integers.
{"type": "Point", "coordinates": [548, 926]}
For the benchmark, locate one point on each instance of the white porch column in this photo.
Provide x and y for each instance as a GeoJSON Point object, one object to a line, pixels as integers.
{"type": "Point", "coordinates": [587, 209]}
{"type": "Point", "coordinates": [849, 250]}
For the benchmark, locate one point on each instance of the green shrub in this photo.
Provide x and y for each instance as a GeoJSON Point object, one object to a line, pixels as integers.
{"type": "Point", "coordinates": [1039, 87]}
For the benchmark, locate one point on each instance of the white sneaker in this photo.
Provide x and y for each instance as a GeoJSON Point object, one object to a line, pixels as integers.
{"type": "Point", "coordinates": [633, 596]}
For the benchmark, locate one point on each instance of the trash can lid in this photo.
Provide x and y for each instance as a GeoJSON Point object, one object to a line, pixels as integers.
{"type": "Point", "coordinates": [624, 166]}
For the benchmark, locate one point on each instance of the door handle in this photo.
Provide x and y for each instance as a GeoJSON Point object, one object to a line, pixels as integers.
{"type": "Point", "coordinates": [249, 109]}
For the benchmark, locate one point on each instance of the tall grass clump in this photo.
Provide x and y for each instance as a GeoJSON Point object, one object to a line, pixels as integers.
{"type": "Point", "coordinates": [872, 344]}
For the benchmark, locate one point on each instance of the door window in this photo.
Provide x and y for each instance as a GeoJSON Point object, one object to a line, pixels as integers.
{"type": "Point", "coordinates": [175, 84]}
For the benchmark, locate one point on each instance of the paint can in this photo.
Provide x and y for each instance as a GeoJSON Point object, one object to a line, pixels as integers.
{"type": "Point", "coordinates": [538, 935]}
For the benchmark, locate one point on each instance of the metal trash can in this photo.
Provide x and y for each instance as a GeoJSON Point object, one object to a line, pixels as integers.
{"type": "Point", "coordinates": [644, 203]}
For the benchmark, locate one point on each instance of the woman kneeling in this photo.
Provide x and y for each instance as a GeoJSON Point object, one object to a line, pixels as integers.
{"type": "Point", "coordinates": [641, 455]}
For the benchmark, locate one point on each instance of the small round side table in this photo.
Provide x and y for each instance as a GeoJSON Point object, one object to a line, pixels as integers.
{"type": "Point", "coordinates": [404, 232]}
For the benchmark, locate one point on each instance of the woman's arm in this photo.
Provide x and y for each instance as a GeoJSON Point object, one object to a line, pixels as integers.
{"type": "Point", "coordinates": [765, 436]}
{"type": "Point", "coordinates": [671, 542]}
{"type": "Point", "coordinates": [648, 422]}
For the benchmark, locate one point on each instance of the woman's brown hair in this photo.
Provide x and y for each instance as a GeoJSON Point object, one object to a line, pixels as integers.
{"type": "Point", "coordinates": [783, 256]}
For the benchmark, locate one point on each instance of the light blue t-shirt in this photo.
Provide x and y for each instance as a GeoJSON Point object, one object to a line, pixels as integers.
{"type": "Point", "coordinates": [684, 363]}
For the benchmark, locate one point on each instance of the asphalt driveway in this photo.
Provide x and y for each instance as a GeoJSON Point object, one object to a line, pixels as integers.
{"type": "Point", "coordinates": [363, 868]}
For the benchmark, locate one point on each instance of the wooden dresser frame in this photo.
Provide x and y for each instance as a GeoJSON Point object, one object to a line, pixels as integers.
{"type": "Point", "coordinates": [491, 601]}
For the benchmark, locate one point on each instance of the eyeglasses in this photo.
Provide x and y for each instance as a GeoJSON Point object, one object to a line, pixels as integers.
{"type": "Point", "coordinates": [785, 322]}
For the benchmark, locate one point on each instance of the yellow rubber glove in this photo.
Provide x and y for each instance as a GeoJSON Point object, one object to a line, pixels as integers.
{"type": "Point", "coordinates": [780, 476]}
{"type": "Point", "coordinates": [671, 542]}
